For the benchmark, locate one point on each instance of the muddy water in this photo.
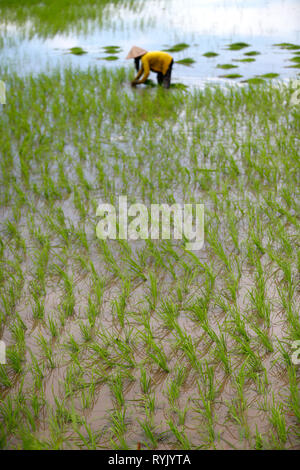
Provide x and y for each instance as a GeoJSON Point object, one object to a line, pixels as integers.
{"type": "Point", "coordinates": [229, 434]}
{"type": "Point", "coordinates": [206, 26]}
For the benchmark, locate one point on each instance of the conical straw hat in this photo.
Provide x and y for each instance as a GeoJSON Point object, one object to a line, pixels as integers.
{"type": "Point", "coordinates": [136, 52]}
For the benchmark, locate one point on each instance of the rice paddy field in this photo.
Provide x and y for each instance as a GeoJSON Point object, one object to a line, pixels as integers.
{"type": "Point", "coordinates": [126, 344]}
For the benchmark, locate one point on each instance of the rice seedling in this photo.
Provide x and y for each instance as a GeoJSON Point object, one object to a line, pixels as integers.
{"type": "Point", "coordinates": [150, 432]}
{"type": "Point", "coordinates": [207, 374]}
{"type": "Point", "coordinates": [118, 429]}
{"type": "Point", "coordinates": [153, 288]}
{"type": "Point", "coordinates": [221, 352]}
{"type": "Point", "coordinates": [37, 401]}
{"type": "Point", "coordinates": [10, 414]}
{"type": "Point", "coordinates": [206, 410]}
{"type": "Point", "coordinates": [173, 393]}
{"type": "Point", "coordinates": [259, 445]}
{"type": "Point", "coordinates": [239, 385]}
{"type": "Point", "coordinates": [46, 350]}
{"type": "Point", "coordinates": [254, 362]}
{"type": "Point", "coordinates": [18, 329]}
{"type": "Point", "coordinates": [158, 356]}
{"type": "Point", "coordinates": [15, 359]}
{"type": "Point", "coordinates": [116, 387]}
{"type": "Point", "coordinates": [119, 306]}
{"type": "Point", "coordinates": [294, 400]}
{"type": "Point", "coordinates": [52, 327]}
{"type": "Point", "coordinates": [90, 440]}
{"type": "Point", "coordinates": [258, 297]}
{"type": "Point", "coordinates": [186, 344]}
{"type": "Point", "coordinates": [37, 372]}
{"type": "Point", "coordinates": [38, 310]}
{"type": "Point", "coordinates": [168, 312]}
{"type": "Point", "coordinates": [181, 436]}
{"type": "Point", "coordinates": [5, 380]}
{"type": "Point", "coordinates": [72, 345]}
{"type": "Point", "coordinates": [87, 396]}
{"type": "Point", "coordinates": [145, 381]}
{"type": "Point", "coordinates": [149, 404]}
{"type": "Point", "coordinates": [237, 414]}
{"type": "Point", "coordinates": [264, 338]}
{"type": "Point", "coordinates": [277, 420]}
{"type": "Point", "coordinates": [86, 332]}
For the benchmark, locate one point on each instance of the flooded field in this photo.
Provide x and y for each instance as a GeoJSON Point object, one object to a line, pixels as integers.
{"type": "Point", "coordinates": [33, 43]}
{"type": "Point", "coordinates": [123, 344]}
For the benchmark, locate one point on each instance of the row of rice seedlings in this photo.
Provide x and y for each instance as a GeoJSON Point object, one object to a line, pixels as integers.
{"type": "Point", "coordinates": [50, 189]}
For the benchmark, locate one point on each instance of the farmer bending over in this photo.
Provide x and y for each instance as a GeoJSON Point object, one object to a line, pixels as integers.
{"type": "Point", "coordinates": [159, 62]}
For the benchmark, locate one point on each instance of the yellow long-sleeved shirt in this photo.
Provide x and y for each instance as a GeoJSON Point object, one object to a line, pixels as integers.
{"type": "Point", "coordinates": [157, 61]}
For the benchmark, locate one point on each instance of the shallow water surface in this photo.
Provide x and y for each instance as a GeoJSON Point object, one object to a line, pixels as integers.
{"type": "Point", "coordinates": [205, 26]}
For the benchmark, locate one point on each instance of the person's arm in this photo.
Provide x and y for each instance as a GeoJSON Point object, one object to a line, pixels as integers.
{"type": "Point", "coordinates": [140, 72]}
{"type": "Point", "coordinates": [146, 69]}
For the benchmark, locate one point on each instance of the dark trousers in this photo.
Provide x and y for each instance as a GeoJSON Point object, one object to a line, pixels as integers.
{"type": "Point", "coordinates": [165, 80]}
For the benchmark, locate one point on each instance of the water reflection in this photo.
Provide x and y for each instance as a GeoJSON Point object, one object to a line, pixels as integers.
{"type": "Point", "coordinates": [206, 25]}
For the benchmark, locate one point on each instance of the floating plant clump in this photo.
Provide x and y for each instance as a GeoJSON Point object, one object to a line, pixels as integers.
{"type": "Point", "coordinates": [252, 53]}
{"type": "Point", "coordinates": [210, 54]}
{"type": "Point", "coordinates": [77, 51]}
{"type": "Point", "coordinates": [177, 47]}
{"type": "Point", "coordinates": [109, 58]}
{"type": "Point", "coordinates": [187, 61]}
{"type": "Point", "coordinates": [231, 75]}
{"type": "Point", "coordinates": [255, 81]}
{"type": "Point", "coordinates": [226, 66]}
{"type": "Point", "coordinates": [246, 60]}
{"type": "Point", "coordinates": [112, 49]}
{"type": "Point", "coordinates": [269, 75]}
{"type": "Point", "coordinates": [295, 59]}
{"type": "Point", "coordinates": [237, 46]}
{"type": "Point", "coordinates": [296, 62]}
{"type": "Point", "coordinates": [288, 46]}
